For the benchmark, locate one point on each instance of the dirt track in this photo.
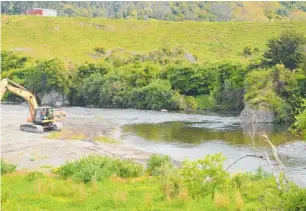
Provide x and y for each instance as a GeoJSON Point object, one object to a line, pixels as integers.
{"type": "Point", "coordinates": [33, 151]}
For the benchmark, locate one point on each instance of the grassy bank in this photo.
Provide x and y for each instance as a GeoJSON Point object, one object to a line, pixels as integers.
{"type": "Point", "coordinates": [74, 39]}
{"type": "Point", "coordinates": [101, 183]}
{"type": "Point", "coordinates": [142, 193]}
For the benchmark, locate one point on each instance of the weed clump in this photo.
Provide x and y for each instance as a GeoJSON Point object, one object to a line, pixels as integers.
{"type": "Point", "coordinates": [156, 162]}
{"type": "Point", "coordinates": [107, 140]}
{"type": "Point", "coordinates": [6, 167]}
{"type": "Point", "coordinates": [34, 175]}
{"type": "Point", "coordinates": [98, 168]}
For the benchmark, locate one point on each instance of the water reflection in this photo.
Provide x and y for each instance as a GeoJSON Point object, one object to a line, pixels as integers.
{"type": "Point", "coordinates": [199, 132]}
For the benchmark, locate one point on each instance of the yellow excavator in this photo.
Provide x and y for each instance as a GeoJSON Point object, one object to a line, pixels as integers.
{"type": "Point", "coordinates": [41, 118]}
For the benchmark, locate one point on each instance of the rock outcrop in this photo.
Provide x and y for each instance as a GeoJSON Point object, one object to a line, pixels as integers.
{"type": "Point", "coordinates": [260, 115]}
{"type": "Point", "coordinates": [54, 98]}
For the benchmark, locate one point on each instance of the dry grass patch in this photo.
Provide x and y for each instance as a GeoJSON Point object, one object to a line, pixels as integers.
{"type": "Point", "coordinates": [106, 139]}
{"type": "Point", "coordinates": [65, 135]}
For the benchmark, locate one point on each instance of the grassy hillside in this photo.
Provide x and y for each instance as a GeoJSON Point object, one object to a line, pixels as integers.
{"type": "Point", "coordinates": [73, 39]}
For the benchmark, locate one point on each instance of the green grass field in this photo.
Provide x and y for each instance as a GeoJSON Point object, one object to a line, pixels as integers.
{"type": "Point", "coordinates": [141, 193]}
{"type": "Point", "coordinates": [73, 39]}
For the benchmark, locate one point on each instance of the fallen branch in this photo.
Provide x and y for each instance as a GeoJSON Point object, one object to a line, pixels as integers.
{"type": "Point", "coordinates": [274, 172]}
{"type": "Point", "coordinates": [279, 162]}
{"type": "Point", "coordinates": [254, 156]}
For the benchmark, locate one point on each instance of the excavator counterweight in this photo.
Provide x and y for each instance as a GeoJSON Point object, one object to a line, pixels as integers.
{"type": "Point", "coordinates": [41, 118]}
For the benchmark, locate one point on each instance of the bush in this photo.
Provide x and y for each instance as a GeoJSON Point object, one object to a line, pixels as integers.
{"type": "Point", "coordinates": [256, 50]}
{"type": "Point", "coordinates": [191, 103]}
{"type": "Point", "coordinates": [204, 176]}
{"type": "Point", "coordinates": [100, 50]}
{"type": "Point", "coordinates": [98, 168]}
{"type": "Point", "coordinates": [171, 180]}
{"type": "Point", "coordinates": [271, 89]}
{"type": "Point", "coordinates": [48, 75]}
{"type": "Point", "coordinates": [6, 167]}
{"type": "Point", "coordinates": [90, 89]}
{"type": "Point", "coordinates": [184, 78]}
{"type": "Point", "coordinates": [34, 175]}
{"type": "Point", "coordinates": [247, 51]}
{"type": "Point", "coordinates": [299, 126]}
{"type": "Point", "coordinates": [294, 199]}
{"type": "Point", "coordinates": [157, 95]}
{"type": "Point", "coordinates": [115, 91]}
{"type": "Point", "coordinates": [156, 161]}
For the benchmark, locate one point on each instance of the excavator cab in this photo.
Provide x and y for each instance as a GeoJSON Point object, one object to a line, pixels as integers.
{"type": "Point", "coordinates": [43, 114]}
{"type": "Point", "coordinates": [45, 118]}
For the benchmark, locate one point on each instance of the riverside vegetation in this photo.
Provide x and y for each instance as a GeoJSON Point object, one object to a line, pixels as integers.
{"type": "Point", "coordinates": [185, 66]}
{"type": "Point", "coordinates": [102, 183]}
{"type": "Point", "coordinates": [166, 78]}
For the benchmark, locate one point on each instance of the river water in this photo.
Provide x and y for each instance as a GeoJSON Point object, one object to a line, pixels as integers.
{"type": "Point", "coordinates": [192, 135]}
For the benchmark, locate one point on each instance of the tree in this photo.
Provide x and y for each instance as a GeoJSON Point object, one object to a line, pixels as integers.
{"type": "Point", "coordinates": [222, 11]}
{"type": "Point", "coordinates": [286, 49]}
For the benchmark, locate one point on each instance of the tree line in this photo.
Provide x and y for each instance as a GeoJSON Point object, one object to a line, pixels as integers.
{"type": "Point", "coordinates": [277, 81]}
{"type": "Point", "coordinates": [171, 11]}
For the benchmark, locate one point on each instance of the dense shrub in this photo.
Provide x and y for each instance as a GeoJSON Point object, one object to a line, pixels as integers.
{"type": "Point", "coordinates": [247, 51]}
{"type": "Point", "coordinates": [157, 95]}
{"type": "Point", "coordinates": [299, 126]}
{"type": "Point", "coordinates": [204, 176]}
{"type": "Point", "coordinates": [90, 89]}
{"type": "Point", "coordinates": [227, 88]}
{"type": "Point", "coordinates": [272, 89]}
{"type": "Point", "coordinates": [97, 168]}
{"type": "Point", "coordinates": [34, 175]}
{"type": "Point", "coordinates": [191, 103]}
{"type": "Point", "coordinates": [10, 61]}
{"type": "Point", "coordinates": [294, 199]}
{"type": "Point", "coordinates": [171, 181]}
{"type": "Point", "coordinates": [88, 69]}
{"type": "Point", "coordinates": [6, 167]}
{"type": "Point", "coordinates": [256, 50]}
{"type": "Point", "coordinates": [114, 91]}
{"type": "Point", "coordinates": [48, 75]}
{"type": "Point", "coordinates": [184, 79]}
{"type": "Point", "coordinates": [100, 50]}
{"type": "Point", "coordinates": [156, 162]}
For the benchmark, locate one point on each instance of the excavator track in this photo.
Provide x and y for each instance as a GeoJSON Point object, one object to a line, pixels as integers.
{"type": "Point", "coordinates": [32, 128]}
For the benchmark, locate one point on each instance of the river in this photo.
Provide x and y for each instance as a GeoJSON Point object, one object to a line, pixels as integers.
{"type": "Point", "coordinates": [193, 135]}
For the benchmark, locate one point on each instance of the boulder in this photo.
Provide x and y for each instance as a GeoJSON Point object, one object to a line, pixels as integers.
{"type": "Point", "coordinates": [190, 57]}
{"type": "Point", "coordinates": [54, 98]}
{"type": "Point", "coordinates": [260, 115]}
{"type": "Point", "coordinates": [257, 121]}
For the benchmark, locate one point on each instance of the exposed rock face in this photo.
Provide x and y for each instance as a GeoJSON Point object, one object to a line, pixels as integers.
{"type": "Point", "coordinates": [54, 98]}
{"type": "Point", "coordinates": [257, 115]}
{"type": "Point", "coordinates": [190, 57]}
{"type": "Point", "coordinates": [257, 121]}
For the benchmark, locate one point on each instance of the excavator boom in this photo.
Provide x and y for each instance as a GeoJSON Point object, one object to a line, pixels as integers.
{"type": "Point", "coordinates": [6, 84]}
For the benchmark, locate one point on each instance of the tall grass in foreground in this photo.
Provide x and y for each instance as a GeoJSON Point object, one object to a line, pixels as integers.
{"type": "Point", "coordinates": [100, 183]}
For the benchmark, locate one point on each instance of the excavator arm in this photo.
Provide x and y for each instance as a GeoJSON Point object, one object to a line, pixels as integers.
{"type": "Point", "coordinates": [6, 84]}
